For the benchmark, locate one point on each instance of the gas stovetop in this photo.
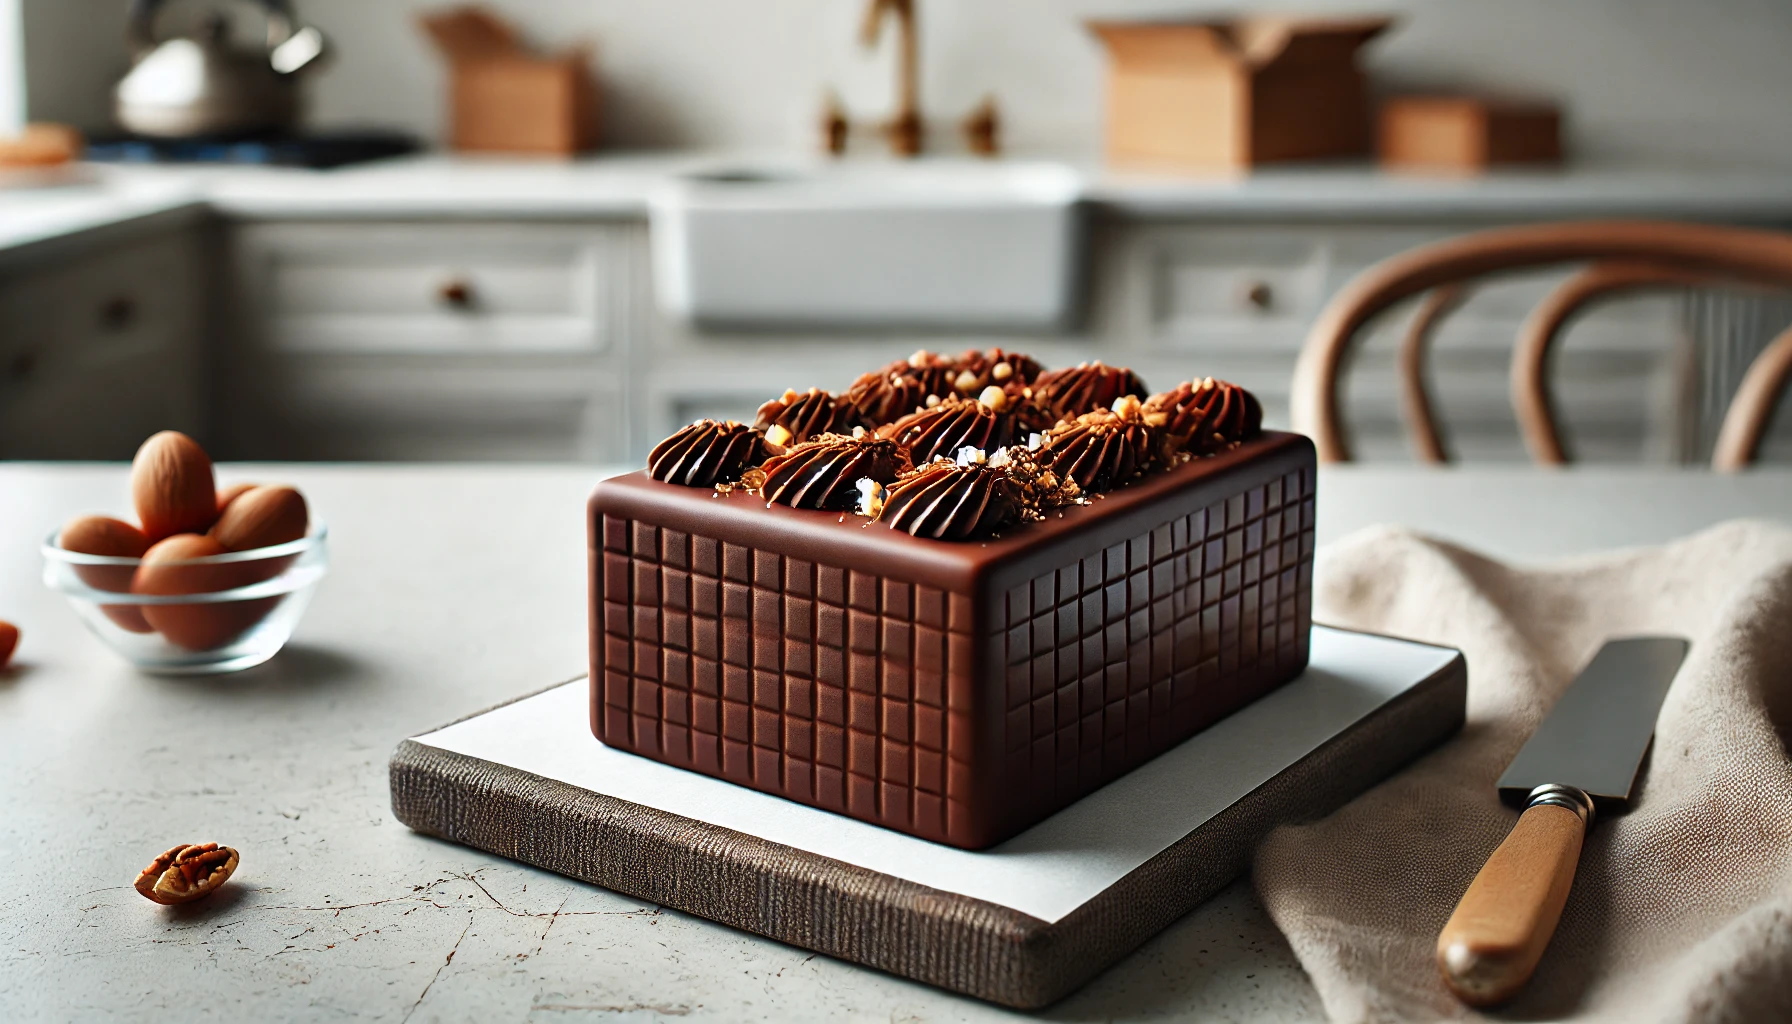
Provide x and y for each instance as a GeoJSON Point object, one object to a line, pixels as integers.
{"type": "Point", "coordinates": [319, 151]}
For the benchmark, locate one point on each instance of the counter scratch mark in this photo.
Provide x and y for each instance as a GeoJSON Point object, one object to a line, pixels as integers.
{"type": "Point", "coordinates": [445, 962]}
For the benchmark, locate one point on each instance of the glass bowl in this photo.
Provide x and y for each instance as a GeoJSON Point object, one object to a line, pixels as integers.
{"type": "Point", "coordinates": [216, 614]}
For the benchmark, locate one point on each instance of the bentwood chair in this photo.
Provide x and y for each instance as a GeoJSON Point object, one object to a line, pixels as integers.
{"type": "Point", "coordinates": [1621, 256]}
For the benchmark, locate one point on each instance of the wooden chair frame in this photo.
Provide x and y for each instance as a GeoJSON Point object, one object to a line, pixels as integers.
{"type": "Point", "coordinates": [1625, 254]}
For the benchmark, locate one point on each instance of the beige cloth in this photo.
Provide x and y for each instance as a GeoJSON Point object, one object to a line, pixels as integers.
{"type": "Point", "coordinates": [1682, 910]}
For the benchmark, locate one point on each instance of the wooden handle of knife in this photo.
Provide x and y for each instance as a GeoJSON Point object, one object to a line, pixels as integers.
{"type": "Point", "coordinates": [1498, 933]}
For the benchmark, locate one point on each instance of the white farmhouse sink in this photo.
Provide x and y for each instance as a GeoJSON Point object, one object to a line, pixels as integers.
{"type": "Point", "coordinates": [942, 244]}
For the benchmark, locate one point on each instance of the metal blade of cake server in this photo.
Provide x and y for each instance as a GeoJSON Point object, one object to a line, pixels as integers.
{"type": "Point", "coordinates": [1595, 736]}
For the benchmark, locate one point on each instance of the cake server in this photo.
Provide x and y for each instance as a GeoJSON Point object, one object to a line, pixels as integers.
{"type": "Point", "coordinates": [1582, 759]}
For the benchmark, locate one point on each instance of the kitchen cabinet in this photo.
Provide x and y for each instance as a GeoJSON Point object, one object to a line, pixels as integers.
{"type": "Point", "coordinates": [467, 310]}
{"type": "Point", "coordinates": [429, 340]}
{"type": "Point", "coordinates": [101, 345]}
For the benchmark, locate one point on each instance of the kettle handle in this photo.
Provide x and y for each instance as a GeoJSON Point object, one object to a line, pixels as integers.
{"type": "Point", "coordinates": [140, 23]}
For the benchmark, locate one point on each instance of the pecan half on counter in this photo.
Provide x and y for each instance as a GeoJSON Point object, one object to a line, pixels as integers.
{"type": "Point", "coordinates": [188, 872]}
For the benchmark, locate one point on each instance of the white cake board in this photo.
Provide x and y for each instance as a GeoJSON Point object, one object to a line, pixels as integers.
{"type": "Point", "coordinates": [1046, 872]}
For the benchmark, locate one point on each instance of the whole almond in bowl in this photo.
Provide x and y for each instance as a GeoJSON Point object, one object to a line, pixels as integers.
{"type": "Point", "coordinates": [181, 565]}
{"type": "Point", "coordinates": [226, 495]}
{"type": "Point", "coordinates": [111, 538]}
{"type": "Point", "coordinates": [260, 518]}
{"type": "Point", "coordinates": [172, 486]}
{"type": "Point", "coordinates": [9, 642]}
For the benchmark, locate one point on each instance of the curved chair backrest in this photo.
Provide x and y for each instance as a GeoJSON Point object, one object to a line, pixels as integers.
{"type": "Point", "coordinates": [1626, 255]}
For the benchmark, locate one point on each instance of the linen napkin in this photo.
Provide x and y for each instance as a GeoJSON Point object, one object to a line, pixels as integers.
{"type": "Point", "coordinates": [1682, 908]}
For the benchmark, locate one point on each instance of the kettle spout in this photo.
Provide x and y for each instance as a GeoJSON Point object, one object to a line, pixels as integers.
{"type": "Point", "coordinates": [299, 51]}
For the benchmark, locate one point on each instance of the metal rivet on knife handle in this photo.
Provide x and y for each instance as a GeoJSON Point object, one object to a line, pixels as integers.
{"type": "Point", "coordinates": [1496, 937]}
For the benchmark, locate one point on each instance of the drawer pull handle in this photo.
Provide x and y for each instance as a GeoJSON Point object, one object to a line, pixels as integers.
{"type": "Point", "coordinates": [457, 294]}
{"type": "Point", "coordinates": [21, 367]}
{"type": "Point", "coordinates": [1259, 295]}
{"type": "Point", "coordinates": [118, 313]}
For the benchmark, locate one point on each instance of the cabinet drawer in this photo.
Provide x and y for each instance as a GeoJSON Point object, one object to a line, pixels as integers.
{"type": "Point", "coordinates": [100, 352]}
{"type": "Point", "coordinates": [436, 288]}
{"type": "Point", "coordinates": [1234, 279]}
{"type": "Point", "coordinates": [440, 409]}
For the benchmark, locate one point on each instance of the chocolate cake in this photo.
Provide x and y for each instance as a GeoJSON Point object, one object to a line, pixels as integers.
{"type": "Point", "coordinates": [953, 647]}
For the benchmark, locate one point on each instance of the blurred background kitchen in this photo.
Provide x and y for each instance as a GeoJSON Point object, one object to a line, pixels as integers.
{"type": "Point", "coordinates": [555, 229]}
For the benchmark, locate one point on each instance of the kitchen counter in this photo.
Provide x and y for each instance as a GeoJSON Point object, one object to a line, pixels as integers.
{"type": "Point", "coordinates": [454, 588]}
{"type": "Point", "coordinates": [620, 186]}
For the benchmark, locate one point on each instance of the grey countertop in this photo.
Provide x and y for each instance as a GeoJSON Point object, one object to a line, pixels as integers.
{"type": "Point", "coordinates": [613, 186]}
{"type": "Point", "coordinates": [454, 588]}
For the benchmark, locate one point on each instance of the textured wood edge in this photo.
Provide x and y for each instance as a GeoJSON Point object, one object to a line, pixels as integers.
{"type": "Point", "coordinates": [955, 942]}
{"type": "Point", "coordinates": [944, 939]}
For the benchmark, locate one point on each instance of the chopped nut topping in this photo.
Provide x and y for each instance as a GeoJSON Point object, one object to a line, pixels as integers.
{"type": "Point", "coordinates": [932, 400]}
{"type": "Point", "coordinates": [858, 432]}
{"type": "Point", "coordinates": [776, 434]}
{"type": "Point", "coordinates": [994, 397]}
{"type": "Point", "coordinates": [965, 381]}
{"type": "Point", "coordinates": [871, 498]}
{"type": "Point", "coordinates": [1127, 405]}
{"type": "Point", "coordinates": [920, 358]}
{"type": "Point", "coordinates": [1001, 372]}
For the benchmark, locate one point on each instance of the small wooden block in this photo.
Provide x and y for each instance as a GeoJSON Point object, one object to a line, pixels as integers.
{"type": "Point", "coordinates": [1467, 135]}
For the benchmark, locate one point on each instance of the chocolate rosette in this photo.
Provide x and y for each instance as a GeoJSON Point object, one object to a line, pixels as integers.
{"type": "Point", "coordinates": [806, 415]}
{"type": "Point", "coordinates": [824, 472]}
{"type": "Point", "coordinates": [977, 369]}
{"type": "Point", "coordinates": [955, 423]}
{"type": "Point", "coordinates": [706, 453]}
{"type": "Point", "coordinates": [1076, 390]}
{"type": "Point", "coordinates": [1205, 416]}
{"type": "Point", "coordinates": [946, 501]}
{"type": "Point", "coordinates": [882, 396]}
{"type": "Point", "coordinates": [1031, 416]}
{"type": "Point", "coordinates": [1100, 450]}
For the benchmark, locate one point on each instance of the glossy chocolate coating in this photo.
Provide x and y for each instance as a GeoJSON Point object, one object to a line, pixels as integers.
{"type": "Point", "coordinates": [1075, 390]}
{"type": "Point", "coordinates": [824, 473]}
{"type": "Point", "coordinates": [1208, 415]}
{"type": "Point", "coordinates": [946, 501]}
{"type": "Point", "coordinates": [1100, 450]}
{"type": "Point", "coordinates": [949, 426]}
{"type": "Point", "coordinates": [706, 453]}
{"type": "Point", "coordinates": [985, 367]}
{"type": "Point", "coordinates": [957, 691]}
{"type": "Point", "coordinates": [806, 414]}
{"type": "Point", "coordinates": [883, 396]}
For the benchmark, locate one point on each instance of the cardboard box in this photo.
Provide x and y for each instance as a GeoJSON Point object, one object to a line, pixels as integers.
{"type": "Point", "coordinates": [1442, 133]}
{"type": "Point", "coordinates": [502, 98]}
{"type": "Point", "coordinates": [1207, 95]}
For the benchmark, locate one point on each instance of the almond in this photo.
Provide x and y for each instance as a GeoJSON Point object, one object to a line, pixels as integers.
{"type": "Point", "coordinates": [9, 642]}
{"type": "Point", "coordinates": [103, 535]}
{"type": "Point", "coordinates": [260, 518]}
{"type": "Point", "coordinates": [169, 568]}
{"type": "Point", "coordinates": [229, 494]}
{"type": "Point", "coordinates": [171, 485]}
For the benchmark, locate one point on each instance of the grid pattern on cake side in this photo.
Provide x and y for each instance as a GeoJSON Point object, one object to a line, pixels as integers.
{"type": "Point", "coordinates": [1110, 660]}
{"type": "Point", "coordinates": [833, 687]}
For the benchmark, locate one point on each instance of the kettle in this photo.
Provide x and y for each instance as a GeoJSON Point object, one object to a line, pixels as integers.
{"type": "Point", "coordinates": [188, 87]}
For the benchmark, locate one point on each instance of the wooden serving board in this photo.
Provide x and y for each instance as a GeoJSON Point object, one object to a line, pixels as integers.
{"type": "Point", "coordinates": [1023, 923]}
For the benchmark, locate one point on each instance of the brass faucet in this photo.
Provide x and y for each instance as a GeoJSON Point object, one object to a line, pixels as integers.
{"type": "Point", "coordinates": [904, 127]}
